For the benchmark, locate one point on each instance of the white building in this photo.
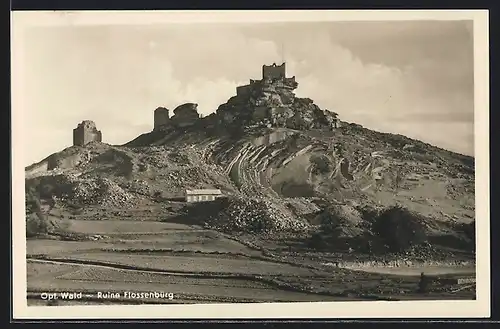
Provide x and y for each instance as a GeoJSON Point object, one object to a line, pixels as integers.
{"type": "Point", "coordinates": [202, 195]}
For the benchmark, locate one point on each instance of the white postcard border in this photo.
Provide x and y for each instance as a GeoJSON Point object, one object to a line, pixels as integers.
{"type": "Point", "coordinates": [369, 309]}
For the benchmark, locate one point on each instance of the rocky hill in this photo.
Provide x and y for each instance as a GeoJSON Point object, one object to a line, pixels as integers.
{"type": "Point", "coordinates": [287, 169]}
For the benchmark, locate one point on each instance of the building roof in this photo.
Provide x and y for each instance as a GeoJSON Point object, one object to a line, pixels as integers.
{"type": "Point", "coordinates": [203, 192]}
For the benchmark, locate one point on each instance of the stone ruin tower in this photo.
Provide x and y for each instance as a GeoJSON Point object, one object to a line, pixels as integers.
{"type": "Point", "coordinates": [161, 118]}
{"type": "Point", "coordinates": [273, 72]}
{"type": "Point", "coordinates": [85, 133]}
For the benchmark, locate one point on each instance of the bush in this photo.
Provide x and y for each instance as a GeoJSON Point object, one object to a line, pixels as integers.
{"type": "Point", "coordinates": [339, 229]}
{"type": "Point", "coordinates": [321, 164]}
{"type": "Point", "coordinates": [470, 230]}
{"type": "Point", "coordinates": [36, 221]}
{"type": "Point", "coordinates": [35, 225]}
{"type": "Point", "coordinates": [317, 241]}
{"type": "Point", "coordinates": [330, 221]}
{"type": "Point", "coordinates": [400, 228]}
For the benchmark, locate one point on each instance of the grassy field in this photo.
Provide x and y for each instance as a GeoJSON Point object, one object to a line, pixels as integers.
{"type": "Point", "coordinates": [210, 263]}
{"type": "Point", "coordinates": [193, 240]}
{"type": "Point", "coordinates": [123, 235]}
{"type": "Point", "coordinates": [36, 271]}
{"type": "Point", "coordinates": [123, 226]}
{"type": "Point", "coordinates": [56, 247]}
{"type": "Point", "coordinates": [203, 266]}
{"type": "Point", "coordinates": [105, 280]}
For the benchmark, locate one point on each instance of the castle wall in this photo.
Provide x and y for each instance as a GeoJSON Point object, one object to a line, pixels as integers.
{"type": "Point", "coordinates": [82, 137]}
{"type": "Point", "coordinates": [161, 117]}
{"type": "Point", "coordinates": [243, 90]}
{"type": "Point", "coordinates": [273, 71]}
{"type": "Point", "coordinates": [78, 137]}
{"type": "Point", "coordinates": [291, 83]}
{"type": "Point", "coordinates": [97, 136]}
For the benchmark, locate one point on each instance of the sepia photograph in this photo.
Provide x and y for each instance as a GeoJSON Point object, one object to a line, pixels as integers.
{"type": "Point", "coordinates": [250, 164]}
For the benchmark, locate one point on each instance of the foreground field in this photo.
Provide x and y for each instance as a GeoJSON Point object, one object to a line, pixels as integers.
{"type": "Point", "coordinates": [198, 265]}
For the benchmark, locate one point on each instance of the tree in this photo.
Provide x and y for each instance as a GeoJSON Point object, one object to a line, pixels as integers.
{"type": "Point", "coordinates": [36, 220]}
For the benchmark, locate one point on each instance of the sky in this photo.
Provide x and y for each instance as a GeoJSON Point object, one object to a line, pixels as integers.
{"type": "Point", "coordinates": [414, 78]}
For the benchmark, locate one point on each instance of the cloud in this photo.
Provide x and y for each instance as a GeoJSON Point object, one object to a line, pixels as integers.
{"type": "Point", "coordinates": [442, 118]}
{"type": "Point", "coordinates": [117, 76]}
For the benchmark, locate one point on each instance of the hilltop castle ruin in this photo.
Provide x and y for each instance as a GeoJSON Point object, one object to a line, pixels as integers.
{"type": "Point", "coordinates": [269, 101]}
{"type": "Point", "coordinates": [85, 133]}
{"type": "Point", "coordinates": [271, 75]}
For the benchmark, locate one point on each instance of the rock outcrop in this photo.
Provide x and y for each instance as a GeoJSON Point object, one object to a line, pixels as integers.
{"type": "Point", "coordinates": [185, 115]}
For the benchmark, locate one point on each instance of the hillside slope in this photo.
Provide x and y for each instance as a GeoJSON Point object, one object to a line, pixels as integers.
{"type": "Point", "coordinates": [293, 177]}
{"type": "Point", "coordinates": [286, 167]}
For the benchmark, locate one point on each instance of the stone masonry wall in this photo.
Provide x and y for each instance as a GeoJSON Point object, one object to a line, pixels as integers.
{"type": "Point", "coordinates": [85, 133]}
